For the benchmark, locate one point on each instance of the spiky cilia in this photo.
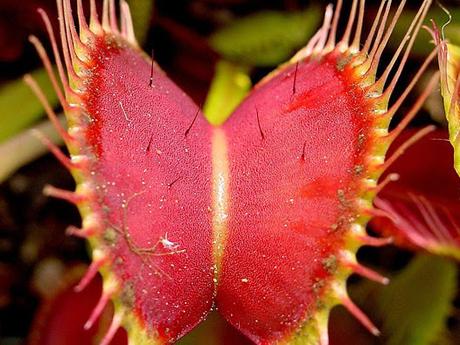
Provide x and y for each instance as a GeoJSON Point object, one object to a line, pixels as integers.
{"type": "Point", "coordinates": [266, 212]}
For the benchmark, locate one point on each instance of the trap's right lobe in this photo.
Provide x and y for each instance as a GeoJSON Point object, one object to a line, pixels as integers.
{"type": "Point", "coordinates": [294, 145]}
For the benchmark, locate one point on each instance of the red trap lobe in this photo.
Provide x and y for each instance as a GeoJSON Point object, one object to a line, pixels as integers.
{"type": "Point", "coordinates": [153, 183]}
{"type": "Point", "coordinates": [288, 215]}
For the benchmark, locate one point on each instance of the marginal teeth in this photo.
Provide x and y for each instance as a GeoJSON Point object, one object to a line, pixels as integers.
{"type": "Point", "coordinates": [348, 259]}
{"type": "Point", "coordinates": [109, 290]}
{"type": "Point", "coordinates": [369, 274]}
{"type": "Point", "coordinates": [82, 233]}
{"type": "Point", "coordinates": [97, 311]}
{"type": "Point", "coordinates": [98, 261]}
{"type": "Point", "coordinates": [114, 326]}
{"type": "Point", "coordinates": [375, 241]}
{"type": "Point", "coordinates": [69, 196]}
{"type": "Point", "coordinates": [359, 315]}
{"type": "Point", "coordinates": [340, 293]}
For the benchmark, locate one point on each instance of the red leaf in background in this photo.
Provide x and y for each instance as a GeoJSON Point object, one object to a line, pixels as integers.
{"type": "Point", "coordinates": [425, 202]}
{"type": "Point", "coordinates": [60, 319]}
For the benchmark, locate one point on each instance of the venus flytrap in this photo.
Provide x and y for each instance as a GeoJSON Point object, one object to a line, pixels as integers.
{"type": "Point", "coordinates": [258, 218]}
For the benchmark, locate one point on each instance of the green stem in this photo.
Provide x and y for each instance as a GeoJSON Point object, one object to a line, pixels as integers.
{"type": "Point", "coordinates": [229, 87]}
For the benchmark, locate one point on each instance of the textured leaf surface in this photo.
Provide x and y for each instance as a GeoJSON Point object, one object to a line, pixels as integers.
{"type": "Point", "coordinates": [288, 213]}
{"type": "Point", "coordinates": [158, 232]}
{"type": "Point", "coordinates": [139, 146]}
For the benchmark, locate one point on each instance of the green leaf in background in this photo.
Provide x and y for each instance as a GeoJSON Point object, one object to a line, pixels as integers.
{"type": "Point", "coordinates": [141, 12]}
{"type": "Point", "coordinates": [230, 85]}
{"type": "Point", "coordinates": [414, 308]}
{"type": "Point", "coordinates": [25, 147]}
{"type": "Point", "coordinates": [422, 47]}
{"type": "Point", "coordinates": [19, 107]}
{"type": "Point", "coordinates": [266, 38]}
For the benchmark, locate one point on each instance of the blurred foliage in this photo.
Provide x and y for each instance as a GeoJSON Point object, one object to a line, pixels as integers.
{"type": "Point", "coordinates": [266, 38]}
{"type": "Point", "coordinates": [414, 307]}
{"type": "Point", "coordinates": [416, 304]}
{"type": "Point", "coordinates": [19, 107]}
{"type": "Point", "coordinates": [142, 13]}
{"type": "Point", "coordinates": [421, 45]}
{"type": "Point", "coordinates": [26, 147]}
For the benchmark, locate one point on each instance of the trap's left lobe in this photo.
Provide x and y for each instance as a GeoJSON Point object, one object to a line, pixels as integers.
{"type": "Point", "coordinates": [149, 150]}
